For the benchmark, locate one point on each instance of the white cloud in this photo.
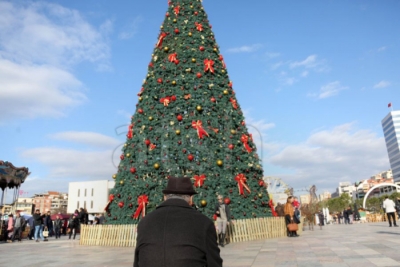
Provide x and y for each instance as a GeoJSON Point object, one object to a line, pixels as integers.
{"type": "Point", "coordinates": [45, 33]}
{"type": "Point", "coordinates": [381, 49]}
{"type": "Point", "coordinates": [87, 138]}
{"type": "Point", "coordinates": [304, 73]}
{"type": "Point", "coordinates": [330, 156]}
{"type": "Point", "coordinates": [69, 163]}
{"type": "Point", "coordinates": [311, 62]}
{"type": "Point", "coordinates": [39, 44]}
{"type": "Point", "coordinates": [382, 84]}
{"type": "Point", "coordinates": [29, 91]}
{"type": "Point", "coordinates": [272, 55]}
{"type": "Point", "coordinates": [329, 90]}
{"type": "Point", "coordinates": [245, 49]}
{"type": "Point", "coordinates": [277, 65]}
{"type": "Point", "coordinates": [130, 29]}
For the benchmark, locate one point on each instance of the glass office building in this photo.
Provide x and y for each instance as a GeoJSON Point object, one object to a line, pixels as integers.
{"type": "Point", "coordinates": [391, 130]}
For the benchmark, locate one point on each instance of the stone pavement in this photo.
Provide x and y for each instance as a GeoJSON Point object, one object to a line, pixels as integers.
{"type": "Point", "coordinates": [354, 245]}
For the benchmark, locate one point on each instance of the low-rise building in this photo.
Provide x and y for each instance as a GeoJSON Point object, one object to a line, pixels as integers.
{"type": "Point", "coordinates": [24, 204]}
{"type": "Point", "coordinates": [90, 195]}
{"type": "Point", "coordinates": [305, 199]}
{"type": "Point", "coordinates": [52, 201]}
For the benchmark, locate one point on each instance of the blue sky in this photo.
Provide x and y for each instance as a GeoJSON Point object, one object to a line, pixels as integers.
{"type": "Point", "coordinates": [314, 77]}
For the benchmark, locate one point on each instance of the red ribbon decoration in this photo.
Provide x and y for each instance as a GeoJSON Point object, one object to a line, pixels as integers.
{"type": "Point", "coordinates": [161, 39]}
{"type": "Point", "coordinates": [130, 132]}
{"type": "Point", "coordinates": [241, 179]}
{"type": "Point", "coordinates": [165, 101]}
{"type": "Point", "coordinates": [245, 141]}
{"type": "Point", "coordinates": [173, 58]}
{"type": "Point", "coordinates": [234, 103]}
{"type": "Point", "coordinates": [223, 61]}
{"type": "Point", "coordinates": [198, 125]}
{"type": "Point", "coordinates": [152, 147]}
{"type": "Point", "coordinates": [142, 200]}
{"type": "Point", "coordinates": [199, 180]}
{"type": "Point", "coordinates": [208, 65]}
{"type": "Point", "coordinates": [199, 27]}
{"type": "Point", "coordinates": [176, 10]}
{"type": "Point", "coordinates": [271, 205]}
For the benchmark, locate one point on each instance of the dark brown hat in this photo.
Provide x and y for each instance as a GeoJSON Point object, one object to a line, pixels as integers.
{"type": "Point", "coordinates": [180, 186]}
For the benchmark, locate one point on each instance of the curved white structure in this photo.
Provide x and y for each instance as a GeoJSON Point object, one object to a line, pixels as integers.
{"type": "Point", "coordinates": [375, 187]}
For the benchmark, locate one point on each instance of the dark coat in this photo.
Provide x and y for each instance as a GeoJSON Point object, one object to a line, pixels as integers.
{"type": "Point", "coordinates": [38, 219]}
{"type": "Point", "coordinates": [176, 235]}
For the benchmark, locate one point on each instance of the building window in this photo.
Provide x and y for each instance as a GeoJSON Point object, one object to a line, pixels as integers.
{"type": "Point", "coordinates": [92, 191]}
{"type": "Point", "coordinates": [91, 204]}
{"type": "Point", "coordinates": [85, 192]}
{"type": "Point", "coordinates": [79, 192]}
{"type": "Point", "coordinates": [77, 205]}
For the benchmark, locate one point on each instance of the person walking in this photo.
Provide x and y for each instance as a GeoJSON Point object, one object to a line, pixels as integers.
{"type": "Point", "coordinates": [346, 217]}
{"type": "Point", "coordinates": [390, 209]}
{"type": "Point", "coordinates": [10, 228]}
{"type": "Point", "coordinates": [175, 234]}
{"type": "Point", "coordinates": [58, 223]}
{"type": "Point", "coordinates": [48, 222]}
{"type": "Point", "coordinates": [350, 215]}
{"type": "Point", "coordinates": [223, 219]}
{"type": "Point", "coordinates": [73, 225]}
{"type": "Point", "coordinates": [37, 222]}
{"type": "Point", "coordinates": [321, 219]}
{"type": "Point", "coordinates": [19, 224]}
{"type": "Point", "coordinates": [289, 216]}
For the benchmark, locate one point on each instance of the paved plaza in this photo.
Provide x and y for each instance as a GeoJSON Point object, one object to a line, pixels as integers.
{"type": "Point", "coordinates": [358, 245]}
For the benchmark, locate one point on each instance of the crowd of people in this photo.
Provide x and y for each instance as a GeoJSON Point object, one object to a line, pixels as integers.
{"type": "Point", "coordinates": [42, 226]}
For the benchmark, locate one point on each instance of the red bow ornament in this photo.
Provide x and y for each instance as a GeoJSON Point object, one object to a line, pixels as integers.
{"type": "Point", "coordinates": [161, 39]}
{"type": "Point", "coordinates": [173, 58]}
{"type": "Point", "coordinates": [130, 132]}
{"type": "Point", "coordinates": [199, 180]}
{"type": "Point", "coordinates": [152, 147]}
{"type": "Point", "coordinates": [198, 125]}
{"type": "Point", "coordinates": [271, 205]}
{"type": "Point", "coordinates": [241, 179]}
{"type": "Point", "coordinates": [223, 61]}
{"type": "Point", "coordinates": [234, 103]}
{"type": "Point", "coordinates": [176, 10]}
{"type": "Point", "coordinates": [245, 141]}
{"type": "Point", "coordinates": [142, 200]}
{"type": "Point", "coordinates": [209, 65]}
{"type": "Point", "coordinates": [165, 101]}
{"type": "Point", "coordinates": [199, 27]}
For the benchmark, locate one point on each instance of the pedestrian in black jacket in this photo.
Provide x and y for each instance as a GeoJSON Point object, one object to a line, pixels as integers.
{"type": "Point", "coordinates": [73, 226]}
{"type": "Point", "coordinates": [38, 224]}
{"type": "Point", "coordinates": [176, 235]}
{"type": "Point", "coordinates": [58, 223]}
{"type": "Point", "coordinates": [48, 222]}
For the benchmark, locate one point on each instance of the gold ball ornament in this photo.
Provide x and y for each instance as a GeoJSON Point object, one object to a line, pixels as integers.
{"type": "Point", "coordinates": [203, 203]}
{"type": "Point", "coordinates": [166, 49]}
{"type": "Point", "coordinates": [173, 82]}
{"type": "Point", "coordinates": [215, 49]}
{"type": "Point", "coordinates": [226, 92]}
{"type": "Point", "coordinates": [128, 155]}
{"type": "Point", "coordinates": [193, 60]}
{"type": "Point", "coordinates": [174, 20]}
{"type": "Point", "coordinates": [178, 132]}
{"type": "Point", "coordinates": [150, 118]}
{"type": "Point", "coordinates": [125, 145]}
{"type": "Point", "coordinates": [233, 131]}
{"type": "Point", "coordinates": [190, 34]}
{"type": "Point", "coordinates": [140, 98]}
{"type": "Point", "coordinates": [156, 166]}
{"type": "Point", "coordinates": [260, 195]}
{"type": "Point", "coordinates": [161, 27]}
{"type": "Point", "coordinates": [121, 182]}
{"type": "Point", "coordinates": [223, 71]}
{"type": "Point", "coordinates": [220, 162]}
{"type": "Point", "coordinates": [199, 108]}
{"type": "Point", "coordinates": [114, 176]}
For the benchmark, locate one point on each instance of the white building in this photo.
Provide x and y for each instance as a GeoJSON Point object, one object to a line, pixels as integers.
{"type": "Point", "coordinates": [326, 195]}
{"type": "Point", "coordinates": [345, 187]}
{"type": "Point", "coordinates": [91, 195]}
{"type": "Point", "coordinates": [391, 130]}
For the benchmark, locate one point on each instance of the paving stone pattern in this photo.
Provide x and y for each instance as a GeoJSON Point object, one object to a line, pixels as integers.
{"type": "Point", "coordinates": [357, 245]}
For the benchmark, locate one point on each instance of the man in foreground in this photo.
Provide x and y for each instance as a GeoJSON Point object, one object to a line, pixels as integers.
{"type": "Point", "coordinates": [176, 235]}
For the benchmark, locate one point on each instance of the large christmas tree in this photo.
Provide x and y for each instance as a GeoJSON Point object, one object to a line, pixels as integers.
{"type": "Point", "coordinates": [188, 122]}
